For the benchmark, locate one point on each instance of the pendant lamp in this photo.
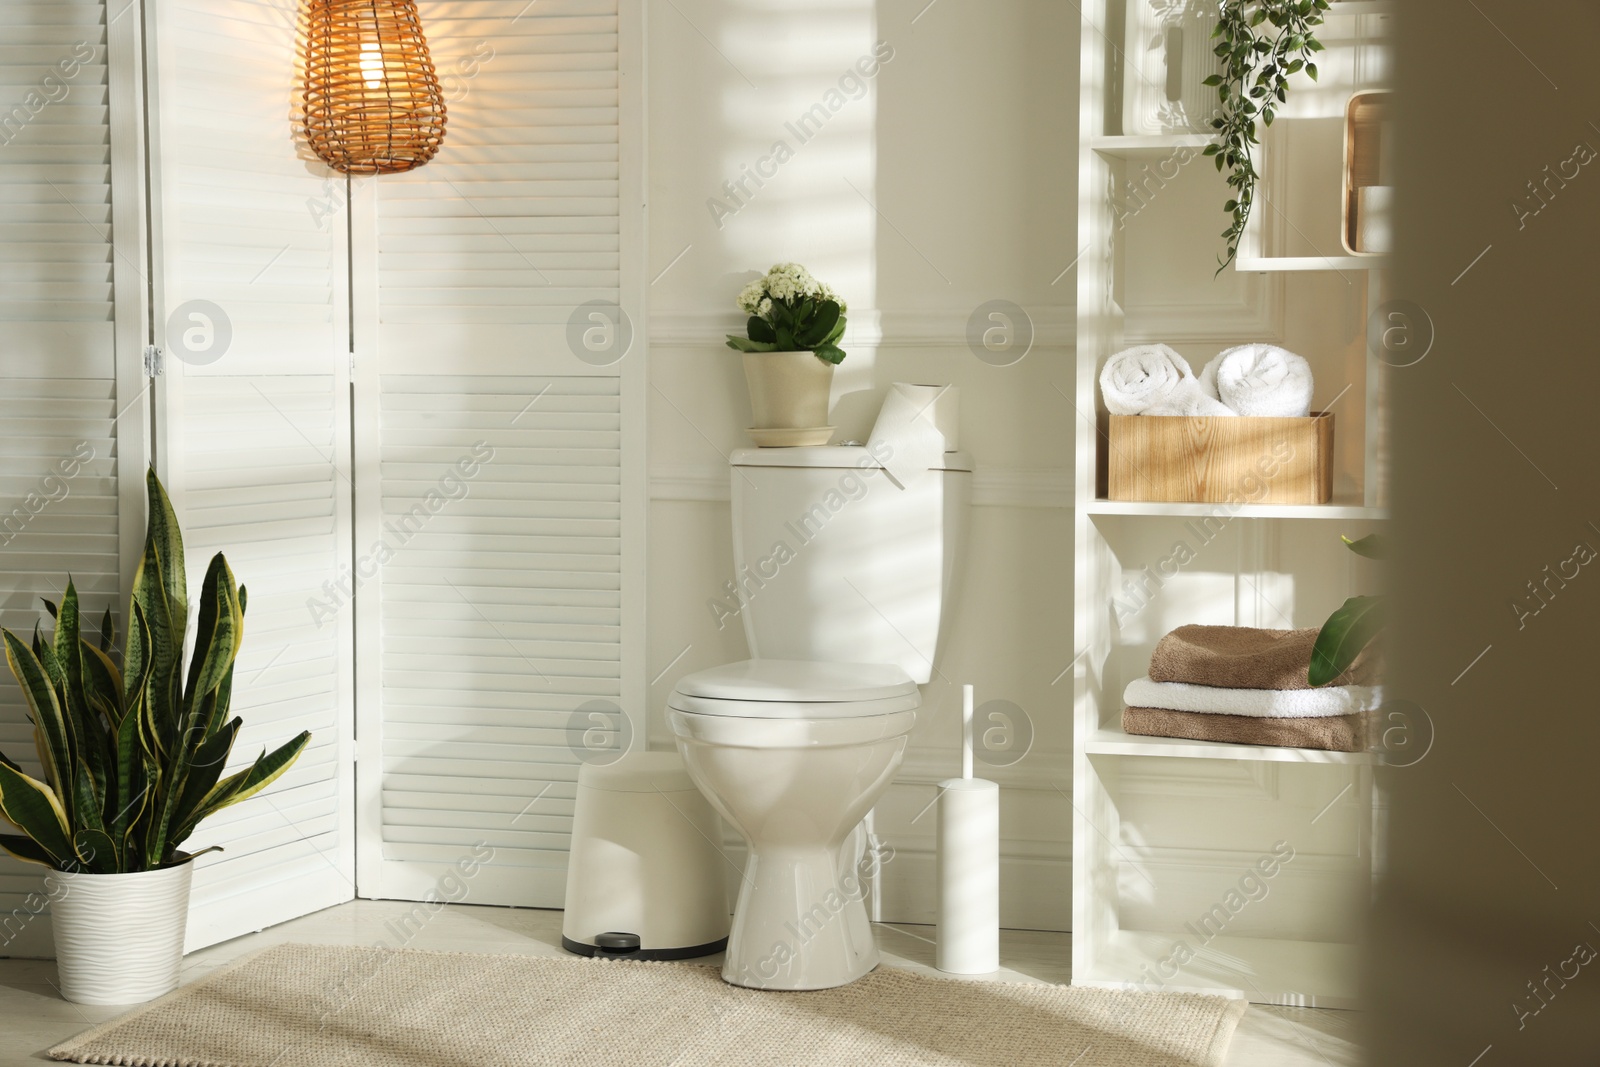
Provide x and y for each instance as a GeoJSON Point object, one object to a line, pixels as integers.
{"type": "Point", "coordinates": [371, 97]}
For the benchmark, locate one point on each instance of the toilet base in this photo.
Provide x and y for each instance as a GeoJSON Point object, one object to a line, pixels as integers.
{"type": "Point", "coordinates": [800, 922]}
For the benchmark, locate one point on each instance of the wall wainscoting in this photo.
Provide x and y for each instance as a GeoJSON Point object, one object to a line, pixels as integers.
{"type": "Point", "coordinates": [1054, 326]}
{"type": "Point", "coordinates": [1013, 487]}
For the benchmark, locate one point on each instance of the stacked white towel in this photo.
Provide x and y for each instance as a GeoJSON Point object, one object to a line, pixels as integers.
{"type": "Point", "coordinates": [1259, 380]}
{"type": "Point", "coordinates": [1259, 703]}
{"type": "Point", "coordinates": [1154, 380]}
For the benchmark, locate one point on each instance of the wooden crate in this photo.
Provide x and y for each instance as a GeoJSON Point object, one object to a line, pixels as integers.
{"type": "Point", "coordinates": [1214, 460]}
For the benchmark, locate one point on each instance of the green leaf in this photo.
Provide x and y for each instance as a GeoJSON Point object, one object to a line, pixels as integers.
{"type": "Point", "coordinates": [219, 632]}
{"type": "Point", "coordinates": [834, 334]}
{"type": "Point", "coordinates": [86, 801]}
{"type": "Point", "coordinates": [130, 792]}
{"type": "Point", "coordinates": [204, 772]}
{"type": "Point", "coordinates": [25, 848]}
{"type": "Point", "coordinates": [1348, 630]}
{"type": "Point", "coordinates": [96, 851]}
{"type": "Point", "coordinates": [830, 353]}
{"type": "Point", "coordinates": [34, 809]}
{"type": "Point", "coordinates": [1372, 546]}
{"type": "Point", "coordinates": [744, 344]}
{"type": "Point", "coordinates": [108, 632]}
{"type": "Point", "coordinates": [54, 739]}
{"type": "Point", "coordinates": [246, 783]}
{"type": "Point", "coordinates": [159, 587]}
{"type": "Point", "coordinates": [820, 325]}
{"type": "Point", "coordinates": [163, 533]}
{"type": "Point", "coordinates": [1213, 79]}
{"type": "Point", "coordinates": [102, 684]}
{"type": "Point", "coordinates": [759, 329]}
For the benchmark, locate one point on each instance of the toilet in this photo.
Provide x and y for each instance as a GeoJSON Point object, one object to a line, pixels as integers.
{"type": "Point", "coordinates": [843, 579]}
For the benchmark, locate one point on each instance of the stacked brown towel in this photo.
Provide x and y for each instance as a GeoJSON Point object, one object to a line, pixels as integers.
{"type": "Point", "coordinates": [1336, 733]}
{"type": "Point", "coordinates": [1243, 658]}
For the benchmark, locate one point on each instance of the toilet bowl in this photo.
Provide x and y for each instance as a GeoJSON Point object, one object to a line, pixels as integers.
{"type": "Point", "coordinates": [793, 754]}
{"type": "Point", "coordinates": [842, 585]}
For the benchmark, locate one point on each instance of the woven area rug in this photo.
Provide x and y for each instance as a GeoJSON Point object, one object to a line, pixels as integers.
{"type": "Point", "coordinates": [317, 1006]}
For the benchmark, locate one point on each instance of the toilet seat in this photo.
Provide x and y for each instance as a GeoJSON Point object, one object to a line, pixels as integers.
{"type": "Point", "coordinates": [738, 731]}
{"type": "Point", "coordinates": [796, 689]}
{"type": "Point", "coordinates": [784, 703]}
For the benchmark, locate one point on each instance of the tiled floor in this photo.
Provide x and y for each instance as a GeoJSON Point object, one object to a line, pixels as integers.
{"type": "Point", "coordinates": [33, 1016]}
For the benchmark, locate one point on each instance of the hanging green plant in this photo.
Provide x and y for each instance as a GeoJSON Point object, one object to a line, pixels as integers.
{"type": "Point", "coordinates": [1261, 43]}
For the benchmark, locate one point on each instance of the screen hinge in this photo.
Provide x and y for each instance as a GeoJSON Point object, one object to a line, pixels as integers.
{"type": "Point", "coordinates": [154, 362]}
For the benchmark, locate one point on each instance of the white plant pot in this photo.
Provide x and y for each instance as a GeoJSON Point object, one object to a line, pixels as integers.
{"type": "Point", "coordinates": [788, 390]}
{"type": "Point", "coordinates": [119, 937]}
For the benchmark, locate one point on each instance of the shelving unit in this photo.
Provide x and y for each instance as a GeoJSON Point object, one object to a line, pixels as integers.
{"type": "Point", "coordinates": [1266, 564]}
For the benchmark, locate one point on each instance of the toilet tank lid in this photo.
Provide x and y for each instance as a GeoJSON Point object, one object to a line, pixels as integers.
{"type": "Point", "coordinates": [798, 681]}
{"type": "Point", "coordinates": [841, 456]}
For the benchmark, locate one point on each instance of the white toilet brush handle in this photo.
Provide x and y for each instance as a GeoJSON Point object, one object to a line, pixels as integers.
{"type": "Point", "coordinates": [966, 731]}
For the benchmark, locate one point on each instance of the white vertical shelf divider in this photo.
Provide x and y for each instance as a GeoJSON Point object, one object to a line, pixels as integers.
{"type": "Point", "coordinates": [1104, 954]}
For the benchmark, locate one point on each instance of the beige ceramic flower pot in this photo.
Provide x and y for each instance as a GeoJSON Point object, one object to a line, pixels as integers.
{"type": "Point", "coordinates": [788, 395]}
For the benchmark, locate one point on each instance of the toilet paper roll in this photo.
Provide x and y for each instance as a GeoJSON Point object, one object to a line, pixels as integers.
{"type": "Point", "coordinates": [916, 426]}
{"type": "Point", "coordinates": [969, 876]}
{"type": "Point", "coordinates": [1375, 218]}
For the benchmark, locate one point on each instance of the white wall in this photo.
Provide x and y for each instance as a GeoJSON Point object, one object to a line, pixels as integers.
{"type": "Point", "coordinates": [949, 183]}
{"type": "Point", "coordinates": [966, 145]}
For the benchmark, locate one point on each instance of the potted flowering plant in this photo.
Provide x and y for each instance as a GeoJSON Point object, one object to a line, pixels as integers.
{"type": "Point", "coordinates": [789, 354]}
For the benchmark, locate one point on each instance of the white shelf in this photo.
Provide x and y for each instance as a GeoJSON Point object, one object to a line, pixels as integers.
{"type": "Point", "coordinates": [1111, 741]}
{"type": "Point", "coordinates": [1311, 974]}
{"type": "Point", "coordinates": [1112, 802]}
{"type": "Point", "coordinates": [1358, 8]}
{"type": "Point", "coordinates": [1149, 146]}
{"type": "Point", "coordinates": [1180, 509]}
{"type": "Point", "coordinates": [1266, 264]}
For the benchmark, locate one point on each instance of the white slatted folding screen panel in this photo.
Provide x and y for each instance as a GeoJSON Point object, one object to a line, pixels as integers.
{"type": "Point", "coordinates": [500, 614]}
{"type": "Point", "coordinates": [517, 603]}
{"type": "Point", "coordinates": [70, 467]}
{"type": "Point", "coordinates": [487, 249]}
{"type": "Point", "coordinates": [254, 261]}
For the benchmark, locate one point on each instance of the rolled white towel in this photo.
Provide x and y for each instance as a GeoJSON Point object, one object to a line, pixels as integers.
{"type": "Point", "coordinates": [1154, 380]}
{"type": "Point", "coordinates": [1188, 399]}
{"type": "Point", "coordinates": [1259, 380]}
{"type": "Point", "coordinates": [1261, 703]}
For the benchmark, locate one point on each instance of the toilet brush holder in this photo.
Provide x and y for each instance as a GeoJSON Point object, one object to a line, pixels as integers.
{"type": "Point", "coordinates": [969, 876]}
{"type": "Point", "coordinates": [968, 841]}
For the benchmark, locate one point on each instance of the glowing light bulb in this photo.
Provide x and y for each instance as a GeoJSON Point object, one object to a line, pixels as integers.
{"type": "Point", "coordinates": [372, 66]}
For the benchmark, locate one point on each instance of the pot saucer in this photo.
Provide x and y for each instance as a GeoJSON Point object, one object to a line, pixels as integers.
{"type": "Point", "coordinates": [790, 438]}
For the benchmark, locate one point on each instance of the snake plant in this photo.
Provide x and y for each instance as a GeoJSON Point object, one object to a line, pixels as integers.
{"type": "Point", "coordinates": [132, 753]}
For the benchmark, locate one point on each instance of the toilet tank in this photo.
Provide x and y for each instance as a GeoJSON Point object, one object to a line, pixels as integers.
{"type": "Point", "coordinates": [834, 561]}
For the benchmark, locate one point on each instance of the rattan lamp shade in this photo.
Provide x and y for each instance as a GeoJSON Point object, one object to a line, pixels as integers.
{"type": "Point", "coordinates": [372, 100]}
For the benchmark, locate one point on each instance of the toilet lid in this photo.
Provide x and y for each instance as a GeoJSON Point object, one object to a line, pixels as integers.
{"type": "Point", "coordinates": [795, 689]}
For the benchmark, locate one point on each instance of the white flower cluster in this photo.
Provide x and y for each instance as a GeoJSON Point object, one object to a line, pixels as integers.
{"type": "Point", "coordinates": [787, 282]}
